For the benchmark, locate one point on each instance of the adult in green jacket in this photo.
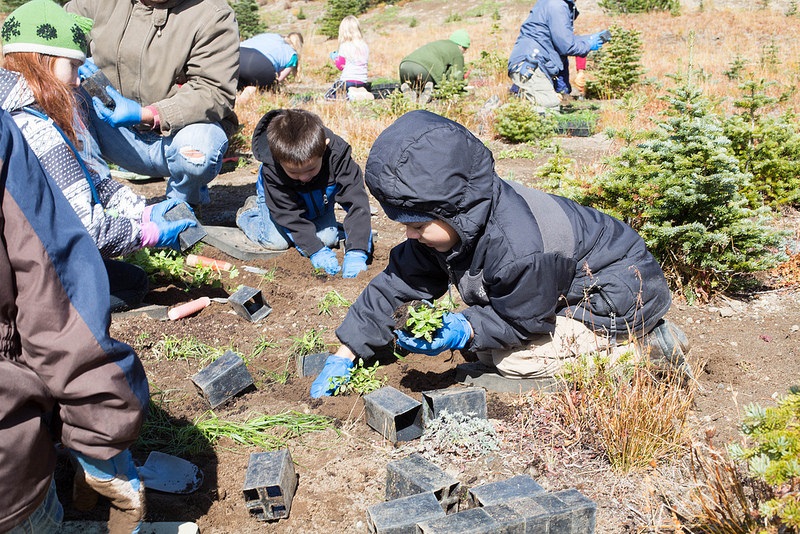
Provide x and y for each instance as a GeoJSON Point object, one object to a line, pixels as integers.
{"type": "Point", "coordinates": [434, 62]}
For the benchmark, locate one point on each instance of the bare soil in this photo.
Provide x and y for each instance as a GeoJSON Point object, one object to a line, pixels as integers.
{"type": "Point", "coordinates": [747, 348]}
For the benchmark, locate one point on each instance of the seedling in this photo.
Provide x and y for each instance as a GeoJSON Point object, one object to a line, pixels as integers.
{"type": "Point", "coordinates": [310, 343]}
{"type": "Point", "coordinates": [261, 346]}
{"type": "Point", "coordinates": [362, 380]}
{"type": "Point", "coordinates": [332, 299]}
{"type": "Point", "coordinates": [170, 265]}
{"type": "Point", "coordinates": [421, 318]}
{"type": "Point", "coordinates": [173, 348]}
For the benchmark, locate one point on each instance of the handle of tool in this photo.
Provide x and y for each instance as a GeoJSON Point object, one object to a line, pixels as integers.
{"type": "Point", "coordinates": [193, 260]}
{"type": "Point", "coordinates": [184, 310]}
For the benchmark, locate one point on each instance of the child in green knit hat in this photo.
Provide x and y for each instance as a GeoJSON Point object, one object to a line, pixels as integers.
{"type": "Point", "coordinates": [44, 27]}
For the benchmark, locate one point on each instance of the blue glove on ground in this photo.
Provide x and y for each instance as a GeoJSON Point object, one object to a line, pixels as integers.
{"type": "Point", "coordinates": [325, 259]}
{"type": "Point", "coordinates": [87, 69]}
{"type": "Point", "coordinates": [354, 262]}
{"type": "Point", "coordinates": [595, 42]}
{"type": "Point", "coordinates": [335, 367]}
{"type": "Point", "coordinates": [455, 333]}
{"type": "Point", "coordinates": [118, 480]}
{"type": "Point", "coordinates": [168, 231]}
{"type": "Point", "coordinates": [125, 113]}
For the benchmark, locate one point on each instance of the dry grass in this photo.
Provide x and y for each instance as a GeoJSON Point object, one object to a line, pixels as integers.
{"type": "Point", "coordinates": [710, 39]}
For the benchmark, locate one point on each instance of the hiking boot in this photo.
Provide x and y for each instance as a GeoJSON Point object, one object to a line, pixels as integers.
{"type": "Point", "coordinates": [408, 92]}
{"type": "Point", "coordinates": [250, 203]}
{"type": "Point", "coordinates": [426, 95]}
{"type": "Point", "coordinates": [667, 345]}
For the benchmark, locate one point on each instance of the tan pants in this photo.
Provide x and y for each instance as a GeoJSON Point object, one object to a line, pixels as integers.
{"type": "Point", "coordinates": [538, 88]}
{"type": "Point", "coordinates": [546, 354]}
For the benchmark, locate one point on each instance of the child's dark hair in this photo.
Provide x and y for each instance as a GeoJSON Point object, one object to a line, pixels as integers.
{"type": "Point", "coordinates": [296, 136]}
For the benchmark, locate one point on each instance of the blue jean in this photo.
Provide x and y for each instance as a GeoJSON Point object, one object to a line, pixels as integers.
{"type": "Point", "coordinates": [44, 520]}
{"type": "Point", "coordinates": [152, 154]}
{"type": "Point", "coordinates": [258, 225]}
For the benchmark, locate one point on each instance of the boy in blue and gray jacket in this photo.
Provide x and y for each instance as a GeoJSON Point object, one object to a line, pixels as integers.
{"type": "Point", "coordinates": [543, 279]}
{"type": "Point", "coordinates": [305, 170]}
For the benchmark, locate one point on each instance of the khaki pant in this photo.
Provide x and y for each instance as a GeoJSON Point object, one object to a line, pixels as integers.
{"type": "Point", "coordinates": [545, 355]}
{"type": "Point", "coordinates": [538, 88]}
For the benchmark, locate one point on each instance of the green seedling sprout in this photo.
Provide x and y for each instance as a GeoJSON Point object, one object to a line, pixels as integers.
{"type": "Point", "coordinates": [426, 318]}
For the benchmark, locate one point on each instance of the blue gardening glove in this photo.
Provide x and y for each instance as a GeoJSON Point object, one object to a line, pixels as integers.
{"type": "Point", "coordinates": [354, 262]}
{"type": "Point", "coordinates": [595, 41]}
{"type": "Point", "coordinates": [126, 112]}
{"type": "Point", "coordinates": [335, 367]}
{"type": "Point", "coordinates": [87, 69]}
{"type": "Point", "coordinates": [455, 333]}
{"type": "Point", "coordinates": [325, 258]}
{"type": "Point", "coordinates": [117, 479]}
{"type": "Point", "coordinates": [159, 232]}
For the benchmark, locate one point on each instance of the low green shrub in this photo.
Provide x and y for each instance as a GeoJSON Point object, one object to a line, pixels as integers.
{"type": "Point", "coordinates": [519, 122]}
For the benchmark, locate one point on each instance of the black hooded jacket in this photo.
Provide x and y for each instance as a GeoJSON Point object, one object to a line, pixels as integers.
{"type": "Point", "coordinates": [519, 264]}
{"type": "Point", "coordinates": [294, 205]}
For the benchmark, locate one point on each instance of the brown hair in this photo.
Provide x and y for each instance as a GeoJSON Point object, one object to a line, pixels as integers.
{"type": "Point", "coordinates": [56, 98]}
{"type": "Point", "coordinates": [296, 136]}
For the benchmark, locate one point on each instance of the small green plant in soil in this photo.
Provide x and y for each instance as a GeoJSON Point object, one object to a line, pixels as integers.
{"type": "Point", "coordinates": [361, 380]}
{"type": "Point", "coordinates": [332, 299]}
{"type": "Point", "coordinates": [310, 342]}
{"type": "Point", "coordinates": [422, 319]}
{"type": "Point", "coordinates": [169, 266]}
{"type": "Point", "coordinates": [174, 348]}
{"type": "Point", "coordinates": [163, 433]}
{"type": "Point", "coordinates": [261, 346]}
{"type": "Point", "coordinates": [279, 376]}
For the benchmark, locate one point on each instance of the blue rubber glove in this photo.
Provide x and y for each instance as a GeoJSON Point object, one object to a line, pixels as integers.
{"type": "Point", "coordinates": [354, 262]}
{"type": "Point", "coordinates": [595, 42]}
{"type": "Point", "coordinates": [125, 113]}
{"type": "Point", "coordinates": [159, 232]}
{"type": "Point", "coordinates": [117, 479]}
{"type": "Point", "coordinates": [325, 259]}
{"type": "Point", "coordinates": [335, 367]}
{"type": "Point", "coordinates": [87, 69]}
{"type": "Point", "coordinates": [454, 334]}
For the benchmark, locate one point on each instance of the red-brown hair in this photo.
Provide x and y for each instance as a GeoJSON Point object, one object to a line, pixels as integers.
{"type": "Point", "coordinates": [56, 98]}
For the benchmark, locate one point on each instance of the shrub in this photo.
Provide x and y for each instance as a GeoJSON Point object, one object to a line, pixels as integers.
{"type": "Point", "coordinates": [683, 191]}
{"type": "Point", "coordinates": [616, 67]}
{"type": "Point", "coordinates": [335, 11]}
{"type": "Point", "coordinates": [450, 89]}
{"type": "Point", "coordinates": [639, 6]}
{"type": "Point", "coordinates": [247, 14]}
{"type": "Point", "coordinates": [774, 457]}
{"type": "Point", "coordinates": [637, 419]}
{"type": "Point", "coordinates": [519, 122]}
{"type": "Point", "coordinates": [766, 146]}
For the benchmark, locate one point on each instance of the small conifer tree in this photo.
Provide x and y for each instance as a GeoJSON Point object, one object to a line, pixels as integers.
{"type": "Point", "coordinates": [248, 17]}
{"type": "Point", "coordinates": [682, 190]}
{"type": "Point", "coordinates": [768, 147]}
{"type": "Point", "coordinates": [335, 11]}
{"type": "Point", "coordinates": [616, 67]}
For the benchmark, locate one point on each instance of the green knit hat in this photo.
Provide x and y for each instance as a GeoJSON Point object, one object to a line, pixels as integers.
{"type": "Point", "coordinates": [45, 27]}
{"type": "Point", "coordinates": [461, 38]}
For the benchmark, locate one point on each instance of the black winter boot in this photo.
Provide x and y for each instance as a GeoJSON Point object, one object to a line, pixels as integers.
{"type": "Point", "coordinates": [667, 345]}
